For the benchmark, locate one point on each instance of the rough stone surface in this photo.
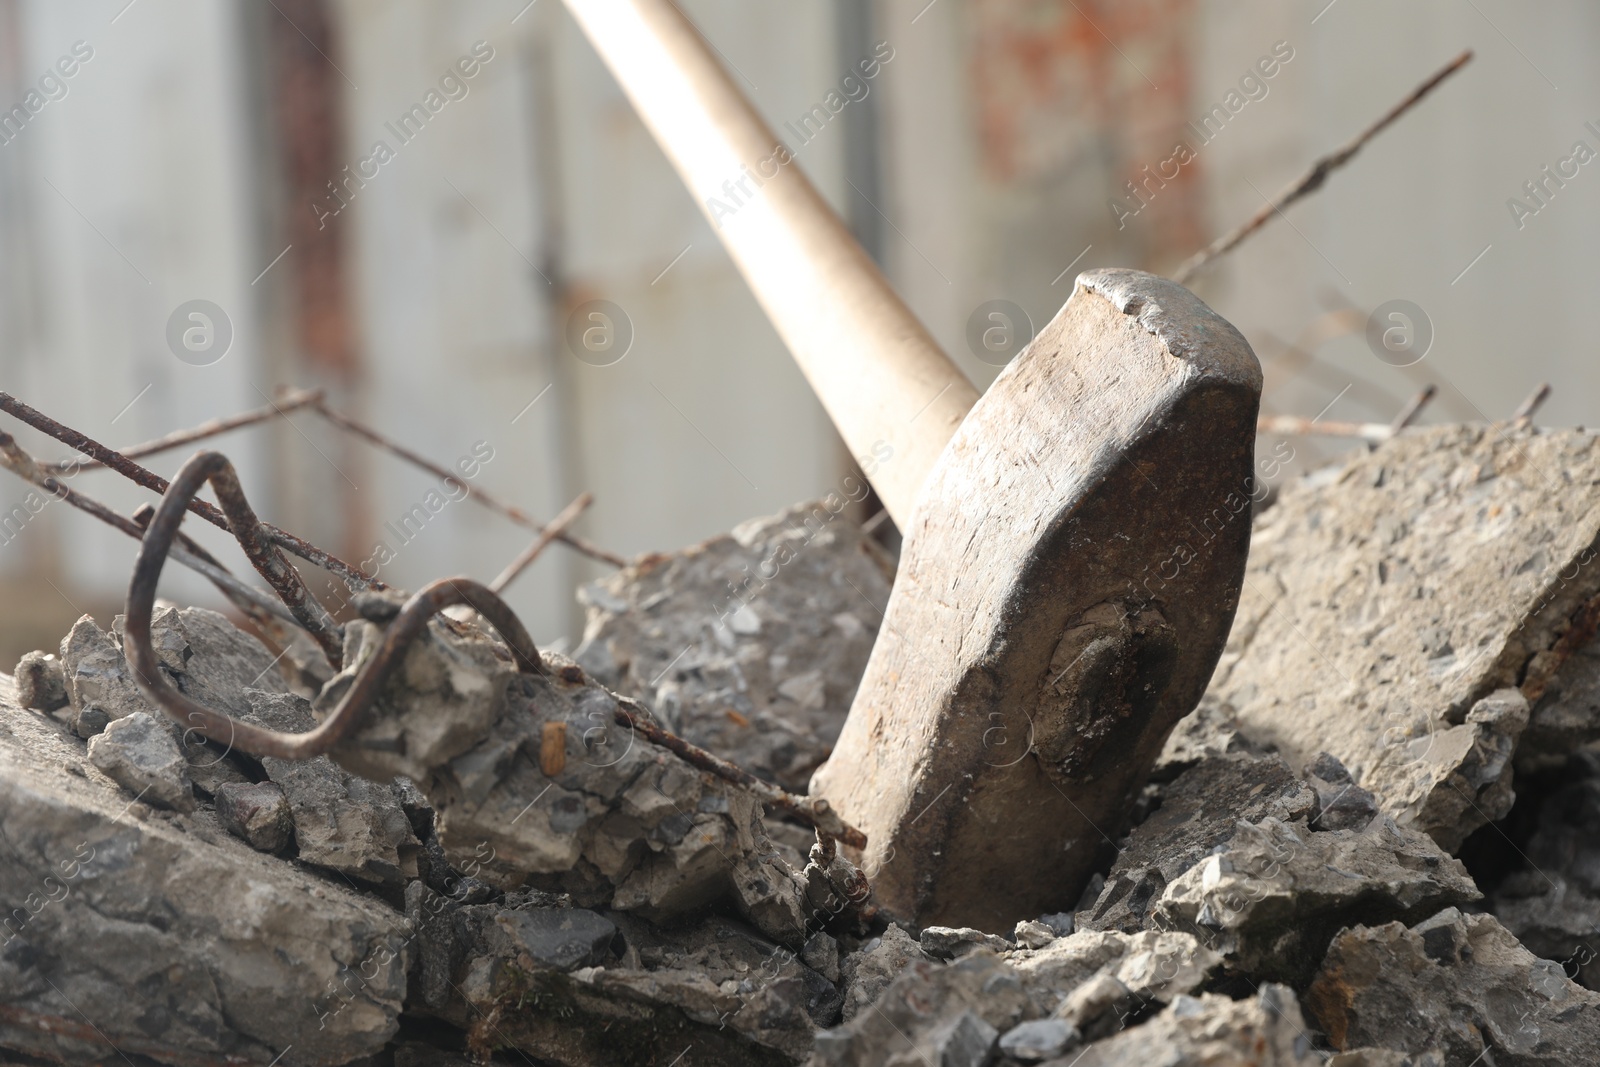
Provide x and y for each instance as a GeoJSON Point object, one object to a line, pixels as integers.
{"type": "Point", "coordinates": [749, 644]}
{"type": "Point", "coordinates": [1093, 979]}
{"type": "Point", "coordinates": [341, 822]}
{"type": "Point", "coordinates": [181, 943]}
{"type": "Point", "coordinates": [571, 987]}
{"type": "Point", "coordinates": [1341, 804]}
{"type": "Point", "coordinates": [1457, 983]}
{"type": "Point", "coordinates": [41, 682]}
{"type": "Point", "coordinates": [621, 823]}
{"type": "Point", "coordinates": [1038, 1039]}
{"type": "Point", "coordinates": [1386, 600]}
{"type": "Point", "coordinates": [139, 754]}
{"type": "Point", "coordinates": [1210, 1031]}
{"type": "Point", "coordinates": [1273, 897]}
{"type": "Point", "coordinates": [868, 973]}
{"type": "Point", "coordinates": [948, 942]}
{"type": "Point", "coordinates": [256, 813]}
{"type": "Point", "coordinates": [1200, 810]}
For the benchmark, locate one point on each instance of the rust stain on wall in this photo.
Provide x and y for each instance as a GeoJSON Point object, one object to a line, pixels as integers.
{"type": "Point", "coordinates": [1063, 84]}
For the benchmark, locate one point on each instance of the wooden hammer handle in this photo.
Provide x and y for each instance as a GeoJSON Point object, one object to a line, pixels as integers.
{"type": "Point", "coordinates": [883, 380]}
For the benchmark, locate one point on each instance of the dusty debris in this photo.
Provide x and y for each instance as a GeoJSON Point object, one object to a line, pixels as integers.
{"type": "Point", "coordinates": [1458, 983]}
{"type": "Point", "coordinates": [180, 942]}
{"type": "Point", "coordinates": [749, 644]}
{"type": "Point", "coordinates": [1388, 600]}
{"type": "Point", "coordinates": [1272, 898]}
{"type": "Point", "coordinates": [1200, 810]}
{"type": "Point", "coordinates": [257, 813]}
{"type": "Point", "coordinates": [868, 973]}
{"type": "Point", "coordinates": [1213, 1031]}
{"type": "Point", "coordinates": [139, 754]}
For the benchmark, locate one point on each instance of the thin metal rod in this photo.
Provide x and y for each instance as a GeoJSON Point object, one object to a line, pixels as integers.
{"type": "Point", "coordinates": [20, 463]}
{"type": "Point", "coordinates": [540, 543]}
{"type": "Point", "coordinates": [1412, 409]}
{"type": "Point", "coordinates": [1535, 399]}
{"type": "Point", "coordinates": [126, 467]}
{"type": "Point", "coordinates": [255, 740]}
{"type": "Point", "coordinates": [1312, 180]}
{"type": "Point", "coordinates": [1296, 426]}
{"type": "Point", "coordinates": [488, 500]}
{"type": "Point", "coordinates": [292, 400]}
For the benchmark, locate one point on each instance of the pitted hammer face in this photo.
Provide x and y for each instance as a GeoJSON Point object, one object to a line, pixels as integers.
{"type": "Point", "coordinates": [1066, 587]}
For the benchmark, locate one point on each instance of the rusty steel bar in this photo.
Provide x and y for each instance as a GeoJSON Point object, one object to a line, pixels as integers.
{"type": "Point", "coordinates": [293, 400]}
{"type": "Point", "coordinates": [20, 463]}
{"type": "Point", "coordinates": [1535, 399]}
{"type": "Point", "coordinates": [1413, 408]}
{"type": "Point", "coordinates": [126, 467]}
{"type": "Point", "coordinates": [486, 499]}
{"type": "Point", "coordinates": [540, 543]}
{"type": "Point", "coordinates": [255, 740]}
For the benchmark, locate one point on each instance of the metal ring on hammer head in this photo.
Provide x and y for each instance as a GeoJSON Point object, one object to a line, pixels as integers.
{"type": "Point", "coordinates": [255, 740]}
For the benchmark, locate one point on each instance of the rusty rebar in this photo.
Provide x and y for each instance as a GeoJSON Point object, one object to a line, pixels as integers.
{"type": "Point", "coordinates": [126, 467]}
{"type": "Point", "coordinates": [482, 496]}
{"type": "Point", "coordinates": [813, 811]}
{"type": "Point", "coordinates": [24, 466]}
{"type": "Point", "coordinates": [1412, 409]}
{"type": "Point", "coordinates": [1535, 399]}
{"type": "Point", "coordinates": [258, 741]}
{"type": "Point", "coordinates": [292, 400]}
{"type": "Point", "coordinates": [1312, 179]}
{"type": "Point", "coordinates": [540, 543]}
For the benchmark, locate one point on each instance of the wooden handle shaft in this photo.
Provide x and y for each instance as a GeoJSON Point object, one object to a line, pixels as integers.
{"type": "Point", "coordinates": [885, 383]}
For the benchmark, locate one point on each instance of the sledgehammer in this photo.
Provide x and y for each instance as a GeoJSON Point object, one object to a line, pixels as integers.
{"type": "Point", "coordinates": [1075, 540]}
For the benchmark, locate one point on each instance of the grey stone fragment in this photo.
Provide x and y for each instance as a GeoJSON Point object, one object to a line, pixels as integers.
{"type": "Point", "coordinates": [715, 986]}
{"type": "Point", "coordinates": [750, 644]}
{"type": "Point", "coordinates": [1038, 1040]}
{"type": "Point", "coordinates": [821, 954]}
{"type": "Point", "coordinates": [342, 822]}
{"type": "Point", "coordinates": [936, 1008]}
{"type": "Point", "coordinates": [619, 823]}
{"type": "Point", "coordinates": [41, 682]}
{"type": "Point", "coordinates": [96, 675]}
{"type": "Point", "coordinates": [179, 942]}
{"type": "Point", "coordinates": [558, 938]}
{"type": "Point", "coordinates": [1273, 897]}
{"type": "Point", "coordinates": [1064, 978]}
{"type": "Point", "coordinates": [1385, 1057]}
{"type": "Point", "coordinates": [1386, 600]}
{"type": "Point", "coordinates": [256, 813]}
{"type": "Point", "coordinates": [1201, 809]}
{"type": "Point", "coordinates": [140, 755]}
{"type": "Point", "coordinates": [1341, 803]}
{"type": "Point", "coordinates": [868, 972]}
{"type": "Point", "coordinates": [91, 721]}
{"type": "Point", "coordinates": [1456, 983]}
{"type": "Point", "coordinates": [948, 942]}
{"type": "Point", "coordinates": [1061, 923]}
{"type": "Point", "coordinates": [1211, 1031]}
{"type": "Point", "coordinates": [1034, 934]}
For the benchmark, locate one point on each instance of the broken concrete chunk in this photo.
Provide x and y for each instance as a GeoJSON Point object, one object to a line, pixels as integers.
{"type": "Point", "coordinates": [867, 973]}
{"type": "Point", "coordinates": [750, 644]}
{"type": "Point", "coordinates": [1341, 804]}
{"type": "Point", "coordinates": [180, 943]}
{"type": "Point", "coordinates": [1563, 717]}
{"type": "Point", "coordinates": [1458, 983]}
{"type": "Point", "coordinates": [1383, 1057]}
{"type": "Point", "coordinates": [1212, 1031]}
{"type": "Point", "coordinates": [209, 659]}
{"type": "Point", "coordinates": [1200, 810]}
{"type": "Point", "coordinates": [1273, 897]}
{"type": "Point", "coordinates": [1031, 933]}
{"type": "Point", "coordinates": [1382, 607]}
{"type": "Point", "coordinates": [96, 674]}
{"type": "Point", "coordinates": [1039, 1039]}
{"type": "Point", "coordinates": [41, 682]}
{"type": "Point", "coordinates": [139, 754]}
{"type": "Point", "coordinates": [935, 1009]}
{"type": "Point", "coordinates": [948, 942]}
{"type": "Point", "coordinates": [1142, 968]}
{"type": "Point", "coordinates": [558, 938]}
{"type": "Point", "coordinates": [621, 823]}
{"type": "Point", "coordinates": [257, 814]}
{"type": "Point", "coordinates": [341, 822]}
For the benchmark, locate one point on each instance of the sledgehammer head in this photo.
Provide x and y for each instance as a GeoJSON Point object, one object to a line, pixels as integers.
{"type": "Point", "coordinates": [1066, 586]}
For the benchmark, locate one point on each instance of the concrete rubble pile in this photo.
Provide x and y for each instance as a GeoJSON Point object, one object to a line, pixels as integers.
{"type": "Point", "coordinates": [1374, 844]}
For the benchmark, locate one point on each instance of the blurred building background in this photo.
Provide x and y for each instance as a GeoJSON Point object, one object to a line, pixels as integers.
{"type": "Point", "coordinates": [169, 151]}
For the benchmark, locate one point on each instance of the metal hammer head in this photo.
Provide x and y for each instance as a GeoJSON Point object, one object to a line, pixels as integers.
{"type": "Point", "coordinates": [1066, 586]}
